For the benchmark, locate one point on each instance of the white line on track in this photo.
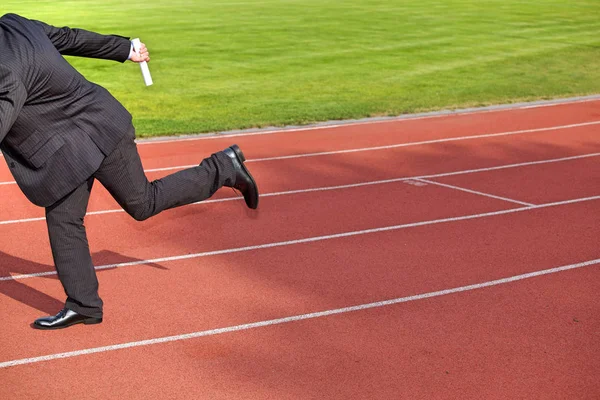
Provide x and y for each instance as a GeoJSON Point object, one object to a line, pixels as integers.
{"type": "Point", "coordinates": [424, 142]}
{"type": "Point", "coordinates": [475, 192]}
{"type": "Point", "coordinates": [386, 147]}
{"type": "Point", "coordinates": [516, 165]}
{"type": "Point", "coordinates": [300, 317]}
{"type": "Point", "coordinates": [311, 239]}
{"type": "Point", "coordinates": [348, 186]}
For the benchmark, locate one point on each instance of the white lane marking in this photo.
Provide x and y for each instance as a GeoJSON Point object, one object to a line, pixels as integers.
{"type": "Point", "coordinates": [22, 221]}
{"type": "Point", "coordinates": [300, 317]}
{"type": "Point", "coordinates": [174, 168]}
{"type": "Point", "coordinates": [523, 164]}
{"type": "Point", "coordinates": [476, 192]}
{"type": "Point", "coordinates": [35, 219]}
{"type": "Point", "coordinates": [386, 147]}
{"type": "Point", "coordinates": [348, 186]}
{"type": "Point", "coordinates": [310, 239]}
{"type": "Point", "coordinates": [415, 182]}
{"type": "Point", "coordinates": [424, 142]}
{"type": "Point", "coordinates": [342, 124]}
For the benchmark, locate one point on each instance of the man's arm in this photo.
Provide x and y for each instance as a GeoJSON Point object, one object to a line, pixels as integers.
{"type": "Point", "coordinates": [12, 98]}
{"type": "Point", "coordinates": [82, 43]}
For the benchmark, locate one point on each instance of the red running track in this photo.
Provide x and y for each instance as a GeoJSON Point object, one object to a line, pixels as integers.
{"type": "Point", "coordinates": [470, 200]}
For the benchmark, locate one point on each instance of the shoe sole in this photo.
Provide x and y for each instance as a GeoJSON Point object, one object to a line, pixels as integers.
{"type": "Point", "coordinates": [91, 321]}
{"type": "Point", "coordinates": [242, 158]}
{"type": "Point", "coordinates": [238, 152]}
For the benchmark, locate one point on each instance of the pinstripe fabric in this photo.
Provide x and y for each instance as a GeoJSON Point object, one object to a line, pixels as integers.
{"type": "Point", "coordinates": [56, 126]}
{"type": "Point", "coordinates": [71, 252]}
{"type": "Point", "coordinates": [59, 133]}
{"type": "Point", "coordinates": [123, 175]}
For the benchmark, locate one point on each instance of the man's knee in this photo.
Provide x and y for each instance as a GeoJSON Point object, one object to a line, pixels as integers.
{"type": "Point", "coordinates": [138, 212]}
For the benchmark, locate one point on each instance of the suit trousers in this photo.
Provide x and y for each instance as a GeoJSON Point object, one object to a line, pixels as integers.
{"type": "Point", "coordinates": [122, 174]}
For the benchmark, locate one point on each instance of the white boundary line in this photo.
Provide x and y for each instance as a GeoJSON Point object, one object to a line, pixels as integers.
{"type": "Point", "coordinates": [424, 142]}
{"type": "Point", "coordinates": [387, 147]}
{"type": "Point", "coordinates": [300, 317]}
{"type": "Point", "coordinates": [475, 192]}
{"type": "Point", "coordinates": [369, 121]}
{"type": "Point", "coordinates": [310, 239]}
{"type": "Point", "coordinates": [348, 186]}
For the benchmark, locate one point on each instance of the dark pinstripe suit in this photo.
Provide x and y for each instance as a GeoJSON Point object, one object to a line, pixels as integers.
{"type": "Point", "coordinates": [59, 132]}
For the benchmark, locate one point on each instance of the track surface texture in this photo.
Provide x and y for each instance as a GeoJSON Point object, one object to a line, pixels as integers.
{"type": "Point", "coordinates": [438, 257]}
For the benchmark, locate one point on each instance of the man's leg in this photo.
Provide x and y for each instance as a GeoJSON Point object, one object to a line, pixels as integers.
{"type": "Point", "coordinates": [71, 251]}
{"type": "Point", "coordinates": [123, 176]}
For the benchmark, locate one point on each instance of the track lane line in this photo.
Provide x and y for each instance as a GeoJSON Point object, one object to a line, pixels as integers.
{"type": "Point", "coordinates": [310, 239]}
{"type": "Point", "coordinates": [424, 142]}
{"type": "Point", "coordinates": [377, 148]}
{"type": "Point", "coordinates": [299, 317]}
{"type": "Point", "coordinates": [337, 187]}
{"type": "Point", "coordinates": [474, 192]}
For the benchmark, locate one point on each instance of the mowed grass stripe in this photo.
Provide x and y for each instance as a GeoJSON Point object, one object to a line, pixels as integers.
{"type": "Point", "coordinates": [240, 64]}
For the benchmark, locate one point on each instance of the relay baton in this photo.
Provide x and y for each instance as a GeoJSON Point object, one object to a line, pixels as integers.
{"type": "Point", "coordinates": [143, 65]}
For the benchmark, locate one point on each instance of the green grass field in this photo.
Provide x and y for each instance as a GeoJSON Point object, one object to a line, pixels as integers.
{"type": "Point", "coordinates": [238, 64]}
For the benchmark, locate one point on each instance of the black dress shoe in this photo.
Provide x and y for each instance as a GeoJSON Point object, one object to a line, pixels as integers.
{"type": "Point", "coordinates": [243, 180]}
{"type": "Point", "coordinates": [64, 319]}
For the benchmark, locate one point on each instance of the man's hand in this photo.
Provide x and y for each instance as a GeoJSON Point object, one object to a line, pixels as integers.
{"type": "Point", "coordinates": [143, 55]}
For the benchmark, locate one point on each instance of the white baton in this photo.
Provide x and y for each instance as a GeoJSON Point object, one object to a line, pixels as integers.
{"type": "Point", "coordinates": [143, 65]}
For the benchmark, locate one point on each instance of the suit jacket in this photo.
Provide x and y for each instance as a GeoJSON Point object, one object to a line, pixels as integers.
{"type": "Point", "coordinates": [56, 127]}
